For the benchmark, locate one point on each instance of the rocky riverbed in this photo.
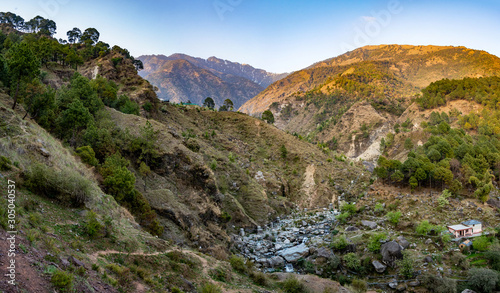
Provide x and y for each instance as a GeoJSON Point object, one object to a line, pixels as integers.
{"type": "Point", "coordinates": [283, 242]}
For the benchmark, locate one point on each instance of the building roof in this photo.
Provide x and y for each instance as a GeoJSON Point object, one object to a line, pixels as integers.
{"type": "Point", "coordinates": [471, 222]}
{"type": "Point", "coordinates": [459, 227]}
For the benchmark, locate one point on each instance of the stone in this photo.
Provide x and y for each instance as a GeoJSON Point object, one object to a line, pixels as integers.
{"type": "Point", "coordinates": [325, 253]}
{"type": "Point", "coordinates": [276, 262]}
{"type": "Point", "coordinates": [242, 232]}
{"type": "Point", "coordinates": [428, 259]}
{"type": "Point", "coordinates": [294, 253]}
{"type": "Point", "coordinates": [64, 262]}
{"type": "Point", "coordinates": [403, 242]}
{"type": "Point", "coordinates": [351, 229]}
{"type": "Point", "coordinates": [495, 203]}
{"type": "Point", "coordinates": [391, 251]}
{"type": "Point", "coordinates": [428, 241]}
{"type": "Point", "coordinates": [468, 291]}
{"type": "Point", "coordinates": [369, 224]}
{"type": "Point", "coordinates": [415, 283]}
{"type": "Point", "coordinates": [379, 267]}
{"type": "Point", "coordinates": [393, 284]}
{"type": "Point", "coordinates": [76, 261]}
{"type": "Point", "coordinates": [259, 230]}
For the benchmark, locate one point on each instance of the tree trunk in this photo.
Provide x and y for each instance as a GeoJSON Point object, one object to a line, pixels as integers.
{"type": "Point", "coordinates": [17, 92]}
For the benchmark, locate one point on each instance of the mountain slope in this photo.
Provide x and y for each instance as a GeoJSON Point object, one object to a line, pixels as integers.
{"type": "Point", "coordinates": [181, 77]}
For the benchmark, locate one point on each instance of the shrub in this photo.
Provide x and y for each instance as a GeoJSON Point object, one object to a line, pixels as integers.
{"type": "Point", "coordinates": [259, 278]}
{"type": "Point", "coordinates": [283, 151]}
{"type": "Point", "coordinates": [238, 264]}
{"type": "Point", "coordinates": [374, 243]}
{"type": "Point", "coordinates": [437, 284]}
{"type": "Point", "coordinates": [460, 260]}
{"type": "Point", "coordinates": [342, 218]}
{"type": "Point", "coordinates": [92, 226]}
{"type": "Point", "coordinates": [481, 243]}
{"type": "Point", "coordinates": [87, 154]}
{"type": "Point", "coordinates": [349, 208]}
{"type": "Point", "coordinates": [220, 274]}
{"type": "Point", "coordinates": [352, 261]}
{"type": "Point", "coordinates": [393, 217]}
{"type": "Point", "coordinates": [407, 265]}
{"type": "Point", "coordinates": [213, 164]}
{"type": "Point", "coordinates": [292, 285]}
{"type": "Point", "coordinates": [62, 280]}
{"type": "Point", "coordinates": [483, 280]}
{"type": "Point", "coordinates": [424, 227]}
{"type": "Point", "coordinates": [67, 186]}
{"type": "Point", "coordinates": [5, 164]}
{"type": "Point", "coordinates": [493, 258]}
{"type": "Point", "coordinates": [340, 243]}
{"type": "Point", "coordinates": [379, 208]}
{"type": "Point", "coordinates": [359, 286]}
{"type": "Point", "coordinates": [210, 288]}
{"type": "Point", "coordinates": [442, 199]}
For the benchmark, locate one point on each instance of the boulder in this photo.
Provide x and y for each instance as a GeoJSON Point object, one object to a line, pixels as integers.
{"type": "Point", "coordinates": [468, 291]}
{"type": "Point", "coordinates": [415, 283]}
{"type": "Point", "coordinates": [369, 224]}
{"type": "Point", "coordinates": [76, 261]}
{"type": "Point", "coordinates": [276, 262]}
{"type": "Point", "coordinates": [294, 253]}
{"type": "Point", "coordinates": [391, 251]}
{"type": "Point", "coordinates": [351, 229]}
{"type": "Point", "coordinates": [495, 203]}
{"type": "Point", "coordinates": [379, 267]}
{"type": "Point", "coordinates": [64, 262]}
{"type": "Point", "coordinates": [403, 242]}
{"type": "Point", "coordinates": [428, 259]}
{"type": "Point", "coordinates": [393, 284]}
{"type": "Point", "coordinates": [428, 241]}
{"type": "Point", "coordinates": [325, 253]}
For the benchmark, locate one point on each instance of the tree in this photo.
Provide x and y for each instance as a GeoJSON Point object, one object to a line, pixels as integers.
{"type": "Point", "coordinates": [138, 64]}
{"type": "Point", "coordinates": [90, 35]}
{"type": "Point", "coordinates": [23, 66]}
{"type": "Point", "coordinates": [209, 103]}
{"type": "Point", "coordinates": [228, 104]}
{"type": "Point", "coordinates": [483, 280]}
{"type": "Point", "coordinates": [74, 35]}
{"type": "Point", "coordinates": [413, 183]}
{"type": "Point", "coordinates": [268, 116]}
{"type": "Point", "coordinates": [408, 144]}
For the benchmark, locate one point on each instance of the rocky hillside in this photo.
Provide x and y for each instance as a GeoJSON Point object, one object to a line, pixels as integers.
{"type": "Point", "coordinates": [347, 102]}
{"type": "Point", "coordinates": [180, 78]}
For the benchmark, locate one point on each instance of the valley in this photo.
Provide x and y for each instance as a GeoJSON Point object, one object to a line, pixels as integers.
{"type": "Point", "coordinates": [341, 177]}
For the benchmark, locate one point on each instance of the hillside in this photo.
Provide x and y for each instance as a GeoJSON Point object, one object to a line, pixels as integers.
{"type": "Point", "coordinates": [381, 80]}
{"type": "Point", "coordinates": [180, 78]}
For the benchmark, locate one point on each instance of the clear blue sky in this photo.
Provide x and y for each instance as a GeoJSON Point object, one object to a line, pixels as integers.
{"type": "Point", "coordinates": [275, 35]}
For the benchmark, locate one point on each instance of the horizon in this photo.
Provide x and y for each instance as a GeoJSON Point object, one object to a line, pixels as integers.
{"type": "Point", "coordinates": [278, 37]}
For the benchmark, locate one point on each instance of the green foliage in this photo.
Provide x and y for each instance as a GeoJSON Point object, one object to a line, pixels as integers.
{"type": "Point", "coordinates": [424, 228]}
{"type": "Point", "coordinates": [352, 261]}
{"type": "Point", "coordinates": [408, 144]}
{"type": "Point", "coordinates": [393, 217]}
{"type": "Point", "coordinates": [92, 226]}
{"type": "Point", "coordinates": [283, 151]}
{"type": "Point", "coordinates": [67, 186]}
{"type": "Point", "coordinates": [23, 66]}
{"type": "Point", "coordinates": [493, 258]}
{"type": "Point", "coordinates": [210, 288]}
{"type": "Point", "coordinates": [407, 265]}
{"type": "Point", "coordinates": [442, 199]}
{"type": "Point", "coordinates": [147, 106]}
{"type": "Point", "coordinates": [340, 243]}
{"type": "Point", "coordinates": [437, 284]}
{"type": "Point", "coordinates": [292, 285]}
{"type": "Point", "coordinates": [209, 103]}
{"type": "Point", "coordinates": [87, 154]}
{"type": "Point", "coordinates": [342, 218]}
{"type": "Point", "coordinates": [349, 208]}
{"type": "Point", "coordinates": [483, 280]}
{"type": "Point", "coordinates": [481, 243]}
{"type": "Point", "coordinates": [213, 164]}
{"type": "Point", "coordinates": [238, 264]}
{"type": "Point", "coordinates": [268, 116]}
{"type": "Point", "coordinates": [374, 243]}
{"type": "Point", "coordinates": [62, 280]}
{"type": "Point", "coordinates": [5, 164]}
{"type": "Point", "coordinates": [359, 286]}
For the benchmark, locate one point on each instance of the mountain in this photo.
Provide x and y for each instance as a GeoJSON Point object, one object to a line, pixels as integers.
{"type": "Point", "coordinates": [180, 78]}
{"type": "Point", "coordinates": [349, 101]}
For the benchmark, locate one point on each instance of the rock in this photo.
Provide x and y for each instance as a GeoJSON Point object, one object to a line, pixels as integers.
{"type": "Point", "coordinates": [379, 267]}
{"type": "Point", "coordinates": [44, 152]}
{"type": "Point", "coordinates": [287, 241]}
{"type": "Point", "coordinates": [403, 242]}
{"type": "Point", "coordinates": [276, 262]}
{"type": "Point", "coordinates": [351, 229]}
{"type": "Point", "coordinates": [428, 241]}
{"type": "Point", "coordinates": [479, 209]}
{"type": "Point", "coordinates": [76, 262]}
{"type": "Point", "coordinates": [393, 284]}
{"type": "Point", "coordinates": [369, 224]}
{"type": "Point", "coordinates": [401, 287]}
{"type": "Point", "coordinates": [495, 203]}
{"type": "Point", "coordinates": [468, 291]}
{"type": "Point", "coordinates": [415, 283]}
{"type": "Point", "coordinates": [242, 232]}
{"type": "Point", "coordinates": [64, 262]}
{"type": "Point", "coordinates": [259, 176]}
{"type": "Point", "coordinates": [259, 230]}
{"type": "Point", "coordinates": [325, 253]}
{"type": "Point", "coordinates": [428, 259]}
{"type": "Point", "coordinates": [391, 251]}
{"type": "Point", "coordinates": [293, 254]}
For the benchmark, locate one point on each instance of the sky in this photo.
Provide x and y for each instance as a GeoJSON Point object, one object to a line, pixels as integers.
{"type": "Point", "coordinates": [275, 35]}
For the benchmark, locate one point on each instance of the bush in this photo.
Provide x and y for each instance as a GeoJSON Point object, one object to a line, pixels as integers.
{"type": "Point", "coordinates": [407, 265]}
{"type": "Point", "coordinates": [87, 154]}
{"type": "Point", "coordinates": [481, 243]}
{"type": "Point", "coordinates": [349, 208]}
{"type": "Point", "coordinates": [210, 288]}
{"type": "Point", "coordinates": [359, 286]}
{"type": "Point", "coordinates": [342, 218]}
{"type": "Point", "coordinates": [393, 217]}
{"type": "Point", "coordinates": [92, 226]}
{"type": "Point", "coordinates": [340, 243]}
{"type": "Point", "coordinates": [379, 208]}
{"type": "Point", "coordinates": [292, 285]}
{"type": "Point", "coordinates": [259, 278]}
{"type": "Point", "coordinates": [5, 164]}
{"type": "Point", "coordinates": [424, 227]}
{"type": "Point", "coordinates": [352, 261]}
{"type": "Point", "coordinates": [493, 258]}
{"type": "Point", "coordinates": [437, 284]}
{"type": "Point", "coordinates": [460, 260]}
{"type": "Point", "coordinates": [220, 274]}
{"type": "Point", "coordinates": [62, 280]}
{"type": "Point", "coordinates": [374, 243]}
{"type": "Point", "coordinates": [238, 264]}
{"type": "Point", "coordinates": [67, 186]}
{"type": "Point", "coordinates": [482, 280]}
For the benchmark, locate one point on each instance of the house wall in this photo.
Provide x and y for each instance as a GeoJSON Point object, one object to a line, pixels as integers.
{"type": "Point", "coordinates": [477, 228]}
